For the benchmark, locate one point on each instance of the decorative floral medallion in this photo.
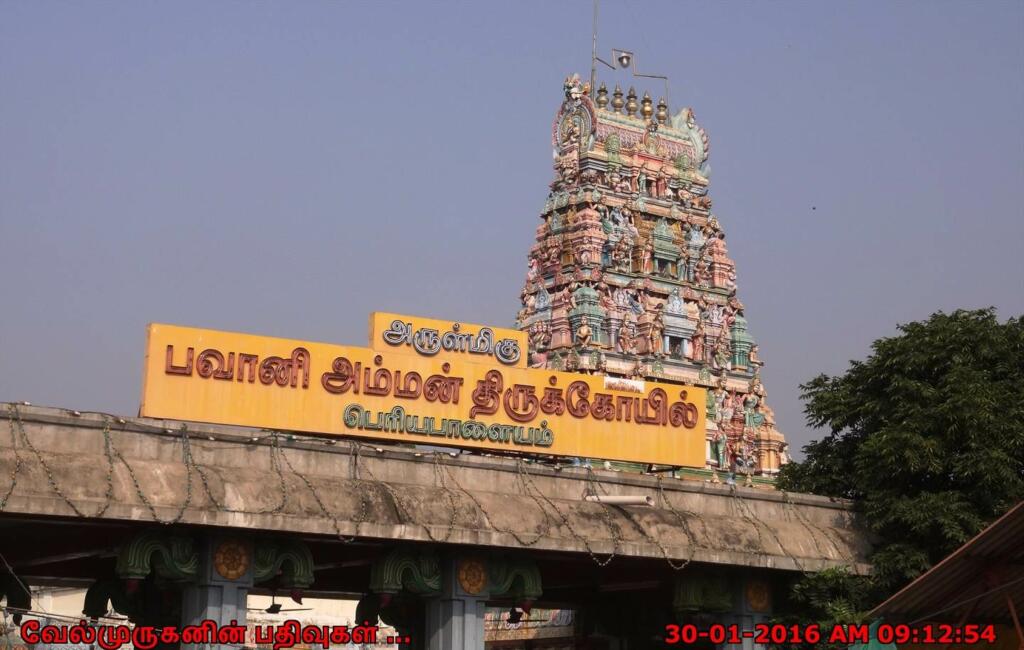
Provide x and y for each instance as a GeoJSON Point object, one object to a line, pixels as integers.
{"type": "Point", "coordinates": [472, 576]}
{"type": "Point", "coordinates": [231, 559]}
{"type": "Point", "coordinates": [758, 595]}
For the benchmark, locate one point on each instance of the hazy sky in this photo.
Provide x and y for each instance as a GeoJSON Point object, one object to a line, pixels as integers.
{"type": "Point", "coordinates": [286, 168]}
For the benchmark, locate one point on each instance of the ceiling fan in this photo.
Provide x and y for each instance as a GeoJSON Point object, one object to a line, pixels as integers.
{"type": "Point", "coordinates": [276, 607]}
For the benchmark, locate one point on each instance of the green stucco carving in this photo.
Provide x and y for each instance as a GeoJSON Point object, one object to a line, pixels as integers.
{"type": "Point", "coordinates": [171, 557]}
{"type": "Point", "coordinates": [701, 593]}
{"type": "Point", "coordinates": [291, 560]}
{"type": "Point", "coordinates": [417, 572]}
{"type": "Point", "coordinates": [518, 579]}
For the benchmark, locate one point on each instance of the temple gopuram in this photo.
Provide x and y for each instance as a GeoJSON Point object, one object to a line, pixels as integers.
{"type": "Point", "coordinates": [630, 276]}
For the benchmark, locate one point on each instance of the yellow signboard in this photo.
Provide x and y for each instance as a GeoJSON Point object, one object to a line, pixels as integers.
{"type": "Point", "coordinates": [248, 380]}
{"type": "Point", "coordinates": [428, 337]}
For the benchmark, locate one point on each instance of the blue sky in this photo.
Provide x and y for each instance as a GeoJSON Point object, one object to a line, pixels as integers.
{"type": "Point", "coordinates": [286, 168]}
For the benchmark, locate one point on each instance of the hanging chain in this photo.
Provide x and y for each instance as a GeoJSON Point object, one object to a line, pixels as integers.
{"type": "Point", "coordinates": [364, 501]}
{"type": "Point", "coordinates": [275, 464]}
{"type": "Point", "coordinates": [807, 524]}
{"type": "Point", "coordinates": [149, 504]}
{"type": "Point", "coordinates": [403, 512]}
{"type": "Point", "coordinates": [751, 517]}
{"type": "Point", "coordinates": [448, 492]}
{"type": "Point", "coordinates": [683, 523]}
{"type": "Point", "coordinates": [568, 524]}
{"type": "Point", "coordinates": [335, 523]}
{"type": "Point", "coordinates": [17, 457]}
{"type": "Point", "coordinates": [487, 516]}
{"type": "Point", "coordinates": [316, 495]}
{"type": "Point", "coordinates": [595, 487]}
{"type": "Point", "coordinates": [15, 420]}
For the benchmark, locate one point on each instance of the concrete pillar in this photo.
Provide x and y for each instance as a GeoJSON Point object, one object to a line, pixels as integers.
{"type": "Point", "coordinates": [221, 592]}
{"type": "Point", "coordinates": [455, 618]}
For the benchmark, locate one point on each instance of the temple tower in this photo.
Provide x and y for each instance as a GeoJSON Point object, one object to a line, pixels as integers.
{"type": "Point", "coordinates": [630, 274]}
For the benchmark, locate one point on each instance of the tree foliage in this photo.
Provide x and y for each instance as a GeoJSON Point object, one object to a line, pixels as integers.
{"type": "Point", "coordinates": [926, 435]}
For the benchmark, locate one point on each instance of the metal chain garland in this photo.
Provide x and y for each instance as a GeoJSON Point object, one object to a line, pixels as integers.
{"type": "Point", "coordinates": [568, 525]}
{"type": "Point", "coordinates": [275, 464]}
{"type": "Point", "coordinates": [403, 512]}
{"type": "Point", "coordinates": [596, 487]}
{"type": "Point", "coordinates": [487, 516]}
{"type": "Point", "coordinates": [757, 524]}
{"type": "Point", "coordinates": [823, 530]}
{"type": "Point", "coordinates": [316, 497]}
{"type": "Point", "coordinates": [449, 494]}
{"type": "Point", "coordinates": [15, 420]}
{"type": "Point", "coordinates": [145, 501]}
{"type": "Point", "coordinates": [683, 523]}
{"type": "Point", "coordinates": [17, 457]}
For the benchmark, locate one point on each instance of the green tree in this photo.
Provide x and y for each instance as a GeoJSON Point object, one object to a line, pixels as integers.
{"type": "Point", "coordinates": [926, 435]}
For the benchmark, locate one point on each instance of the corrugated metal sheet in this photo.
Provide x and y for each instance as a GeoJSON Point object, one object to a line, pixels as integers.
{"type": "Point", "coordinates": [972, 583]}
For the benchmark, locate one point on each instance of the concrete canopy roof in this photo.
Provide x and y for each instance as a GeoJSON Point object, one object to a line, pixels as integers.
{"type": "Point", "coordinates": [272, 481]}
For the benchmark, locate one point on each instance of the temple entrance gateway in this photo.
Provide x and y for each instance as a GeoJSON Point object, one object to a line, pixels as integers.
{"type": "Point", "coordinates": [581, 481]}
{"type": "Point", "coordinates": [427, 541]}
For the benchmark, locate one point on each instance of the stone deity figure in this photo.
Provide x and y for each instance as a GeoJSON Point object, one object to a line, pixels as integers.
{"type": "Point", "coordinates": [638, 371]}
{"type": "Point", "coordinates": [634, 180]}
{"type": "Point", "coordinates": [583, 334]}
{"type": "Point", "coordinates": [646, 300]}
{"type": "Point", "coordinates": [754, 357]}
{"type": "Point", "coordinates": [613, 179]}
{"type": "Point", "coordinates": [721, 357]}
{"type": "Point", "coordinates": [572, 132]}
{"type": "Point", "coordinates": [661, 184]}
{"type": "Point", "coordinates": [697, 344]}
{"type": "Point", "coordinates": [622, 185]}
{"type": "Point", "coordinates": [719, 443]}
{"type": "Point", "coordinates": [551, 255]}
{"type": "Point", "coordinates": [606, 223]}
{"type": "Point", "coordinates": [626, 342]}
{"type": "Point", "coordinates": [702, 273]}
{"type": "Point", "coordinates": [636, 303]}
{"type": "Point", "coordinates": [726, 410]}
{"type": "Point", "coordinates": [683, 268]}
{"type": "Point", "coordinates": [654, 334]}
{"type": "Point", "coordinates": [784, 457]}
{"type": "Point", "coordinates": [631, 228]}
{"type": "Point", "coordinates": [538, 359]}
{"type": "Point", "coordinates": [756, 387]}
{"type": "Point", "coordinates": [752, 416]}
{"type": "Point", "coordinates": [646, 260]}
{"type": "Point", "coordinates": [730, 282]}
{"type": "Point", "coordinates": [718, 398]}
{"type": "Point", "coordinates": [530, 302]}
{"type": "Point", "coordinates": [695, 237]}
{"type": "Point", "coordinates": [533, 274]}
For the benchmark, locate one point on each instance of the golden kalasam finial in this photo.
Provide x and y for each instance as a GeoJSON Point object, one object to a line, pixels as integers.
{"type": "Point", "coordinates": [662, 114]}
{"type": "Point", "coordinates": [617, 102]}
{"type": "Point", "coordinates": [631, 104]}
{"type": "Point", "coordinates": [647, 107]}
{"type": "Point", "coordinates": [602, 96]}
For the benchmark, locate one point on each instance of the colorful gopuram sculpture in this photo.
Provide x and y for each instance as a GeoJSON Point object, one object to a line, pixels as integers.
{"type": "Point", "coordinates": [630, 275]}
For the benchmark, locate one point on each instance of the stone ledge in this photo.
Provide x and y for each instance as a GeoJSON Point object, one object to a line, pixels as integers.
{"type": "Point", "coordinates": [413, 496]}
